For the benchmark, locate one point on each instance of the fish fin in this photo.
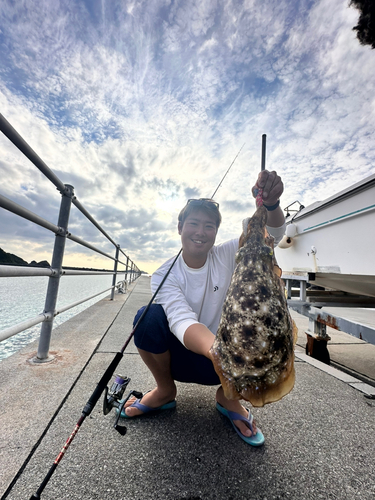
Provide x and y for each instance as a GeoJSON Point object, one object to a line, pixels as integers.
{"type": "Point", "coordinates": [230, 391]}
{"type": "Point", "coordinates": [269, 240]}
{"type": "Point", "coordinates": [277, 270]}
{"type": "Point", "coordinates": [295, 332]}
{"type": "Point", "coordinates": [242, 241]}
{"type": "Point", "coordinates": [272, 393]}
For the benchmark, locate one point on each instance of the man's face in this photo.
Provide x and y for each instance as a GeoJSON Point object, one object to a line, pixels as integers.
{"type": "Point", "coordinates": [198, 235]}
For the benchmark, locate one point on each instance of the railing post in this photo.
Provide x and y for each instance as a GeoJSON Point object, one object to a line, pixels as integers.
{"type": "Point", "coordinates": [54, 280]}
{"type": "Point", "coordinates": [126, 269]}
{"type": "Point", "coordinates": [114, 279]}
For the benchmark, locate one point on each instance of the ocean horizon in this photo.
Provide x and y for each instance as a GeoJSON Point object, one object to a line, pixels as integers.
{"type": "Point", "coordinates": [23, 298]}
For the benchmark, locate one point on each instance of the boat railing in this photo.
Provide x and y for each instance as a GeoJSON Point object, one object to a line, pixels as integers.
{"type": "Point", "coordinates": [56, 271]}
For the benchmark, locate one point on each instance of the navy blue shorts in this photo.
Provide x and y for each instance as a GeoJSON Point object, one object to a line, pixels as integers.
{"type": "Point", "coordinates": [153, 335]}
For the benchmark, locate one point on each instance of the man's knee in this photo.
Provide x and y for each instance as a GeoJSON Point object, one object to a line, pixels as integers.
{"type": "Point", "coordinates": [152, 332]}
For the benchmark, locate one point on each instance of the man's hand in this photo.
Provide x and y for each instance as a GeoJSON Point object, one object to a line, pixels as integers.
{"type": "Point", "coordinates": [272, 187]}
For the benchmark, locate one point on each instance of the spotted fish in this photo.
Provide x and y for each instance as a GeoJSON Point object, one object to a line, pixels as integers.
{"type": "Point", "coordinates": [253, 350]}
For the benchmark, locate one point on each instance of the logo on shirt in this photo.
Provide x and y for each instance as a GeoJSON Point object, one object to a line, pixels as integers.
{"type": "Point", "coordinates": [216, 288]}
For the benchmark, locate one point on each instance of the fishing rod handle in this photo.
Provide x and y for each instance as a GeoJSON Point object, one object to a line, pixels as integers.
{"type": "Point", "coordinates": [102, 384]}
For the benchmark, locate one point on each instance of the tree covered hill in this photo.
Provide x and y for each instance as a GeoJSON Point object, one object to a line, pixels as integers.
{"type": "Point", "coordinates": [9, 259]}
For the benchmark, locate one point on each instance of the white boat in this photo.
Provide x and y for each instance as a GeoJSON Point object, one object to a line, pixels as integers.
{"type": "Point", "coordinates": [332, 242]}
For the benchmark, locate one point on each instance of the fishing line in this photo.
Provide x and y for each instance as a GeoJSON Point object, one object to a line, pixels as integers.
{"type": "Point", "coordinates": [120, 384]}
{"type": "Point", "coordinates": [230, 166]}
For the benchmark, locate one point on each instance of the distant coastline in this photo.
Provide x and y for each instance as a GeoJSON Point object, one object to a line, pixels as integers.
{"type": "Point", "coordinates": [10, 259]}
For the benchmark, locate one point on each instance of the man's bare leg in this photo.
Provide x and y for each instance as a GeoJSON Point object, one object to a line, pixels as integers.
{"type": "Point", "coordinates": [165, 390]}
{"type": "Point", "coordinates": [236, 406]}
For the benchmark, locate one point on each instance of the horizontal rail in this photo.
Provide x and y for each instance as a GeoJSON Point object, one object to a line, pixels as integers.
{"type": "Point", "coordinates": [22, 145]}
{"type": "Point", "coordinates": [73, 272]}
{"type": "Point", "coordinates": [354, 328]}
{"type": "Point", "coordinates": [27, 214]}
{"type": "Point", "coordinates": [71, 236]}
{"type": "Point", "coordinates": [63, 309]}
{"type": "Point", "coordinates": [31, 216]}
{"type": "Point", "coordinates": [91, 219]}
{"type": "Point", "coordinates": [17, 271]}
{"type": "Point", "coordinates": [55, 271]}
{"type": "Point", "coordinates": [77, 272]}
{"type": "Point", "coordinates": [123, 253]}
{"type": "Point", "coordinates": [20, 327]}
{"type": "Point", "coordinates": [88, 245]}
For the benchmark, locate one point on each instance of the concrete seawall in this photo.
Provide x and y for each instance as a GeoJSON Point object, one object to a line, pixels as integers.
{"type": "Point", "coordinates": [319, 439]}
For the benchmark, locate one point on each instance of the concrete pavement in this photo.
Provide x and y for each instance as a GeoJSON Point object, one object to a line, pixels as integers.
{"type": "Point", "coordinates": [319, 438]}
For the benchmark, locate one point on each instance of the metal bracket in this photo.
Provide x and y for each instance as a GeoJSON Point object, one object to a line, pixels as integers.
{"type": "Point", "coordinates": [317, 330]}
{"type": "Point", "coordinates": [61, 231]}
{"type": "Point", "coordinates": [363, 332]}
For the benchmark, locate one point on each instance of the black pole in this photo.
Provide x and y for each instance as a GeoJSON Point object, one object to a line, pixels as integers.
{"type": "Point", "coordinates": [263, 165]}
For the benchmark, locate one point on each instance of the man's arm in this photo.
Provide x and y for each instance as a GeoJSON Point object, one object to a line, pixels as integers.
{"type": "Point", "coordinates": [275, 218]}
{"type": "Point", "coordinates": [199, 339]}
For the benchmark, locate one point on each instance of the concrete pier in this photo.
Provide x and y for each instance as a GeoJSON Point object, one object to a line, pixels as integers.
{"type": "Point", "coordinates": [319, 439]}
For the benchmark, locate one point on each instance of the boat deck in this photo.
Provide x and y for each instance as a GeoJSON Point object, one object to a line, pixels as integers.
{"type": "Point", "coordinates": [319, 438]}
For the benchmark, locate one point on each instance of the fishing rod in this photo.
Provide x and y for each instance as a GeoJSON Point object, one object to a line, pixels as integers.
{"type": "Point", "coordinates": [112, 396]}
{"type": "Point", "coordinates": [263, 162]}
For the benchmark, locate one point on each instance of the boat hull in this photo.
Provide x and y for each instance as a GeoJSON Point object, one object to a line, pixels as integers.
{"type": "Point", "coordinates": [333, 241]}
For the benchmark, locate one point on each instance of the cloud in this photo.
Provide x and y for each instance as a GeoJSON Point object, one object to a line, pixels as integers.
{"type": "Point", "coordinates": [143, 105]}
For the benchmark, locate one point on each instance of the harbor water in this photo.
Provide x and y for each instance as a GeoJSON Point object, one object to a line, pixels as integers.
{"type": "Point", "coordinates": [23, 298]}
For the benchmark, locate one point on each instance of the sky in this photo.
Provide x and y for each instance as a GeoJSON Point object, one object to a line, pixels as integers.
{"type": "Point", "coordinates": [142, 105]}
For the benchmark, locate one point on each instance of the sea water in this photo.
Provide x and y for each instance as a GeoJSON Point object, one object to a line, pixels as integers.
{"type": "Point", "coordinates": [23, 298]}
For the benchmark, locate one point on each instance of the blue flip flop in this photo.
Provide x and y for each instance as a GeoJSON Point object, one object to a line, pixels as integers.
{"type": "Point", "coordinates": [255, 440]}
{"type": "Point", "coordinates": [147, 409]}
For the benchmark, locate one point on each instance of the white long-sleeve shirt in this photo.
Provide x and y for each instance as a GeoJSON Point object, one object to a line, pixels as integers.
{"type": "Point", "coordinates": [191, 296]}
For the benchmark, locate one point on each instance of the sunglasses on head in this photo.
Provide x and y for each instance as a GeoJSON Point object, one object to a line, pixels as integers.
{"type": "Point", "coordinates": [201, 201]}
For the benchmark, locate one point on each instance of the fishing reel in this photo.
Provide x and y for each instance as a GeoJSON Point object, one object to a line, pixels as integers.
{"type": "Point", "coordinates": [113, 399]}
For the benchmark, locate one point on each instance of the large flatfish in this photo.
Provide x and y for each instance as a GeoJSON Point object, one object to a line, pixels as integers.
{"type": "Point", "coordinates": [253, 352]}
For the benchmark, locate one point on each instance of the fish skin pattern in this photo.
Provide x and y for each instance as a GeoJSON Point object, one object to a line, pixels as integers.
{"type": "Point", "coordinates": [253, 352]}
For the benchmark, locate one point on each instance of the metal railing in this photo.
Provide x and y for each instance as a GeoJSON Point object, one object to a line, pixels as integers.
{"type": "Point", "coordinates": [61, 231]}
